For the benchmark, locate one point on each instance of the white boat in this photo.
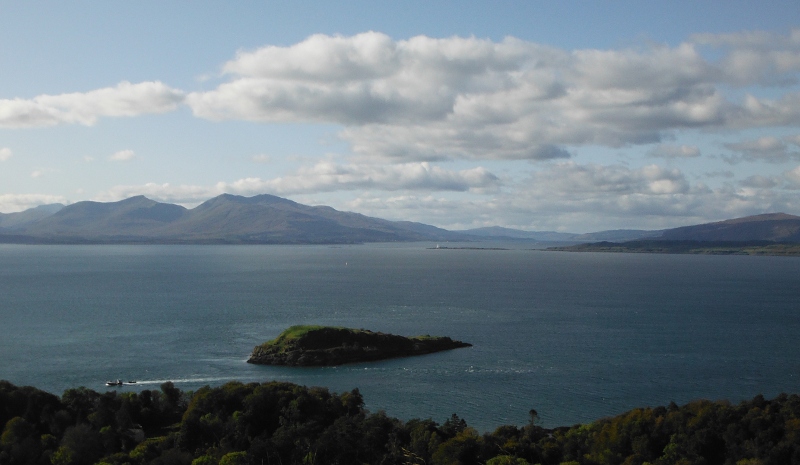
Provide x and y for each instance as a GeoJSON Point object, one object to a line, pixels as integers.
{"type": "Point", "coordinates": [114, 383]}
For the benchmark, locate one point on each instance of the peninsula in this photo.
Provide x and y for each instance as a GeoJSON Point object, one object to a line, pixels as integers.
{"type": "Point", "coordinates": [306, 345]}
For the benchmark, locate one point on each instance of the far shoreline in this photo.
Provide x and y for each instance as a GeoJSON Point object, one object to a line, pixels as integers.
{"type": "Point", "coordinates": [752, 248]}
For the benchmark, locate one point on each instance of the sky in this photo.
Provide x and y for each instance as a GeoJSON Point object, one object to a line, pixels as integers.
{"type": "Point", "coordinates": [572, 116]}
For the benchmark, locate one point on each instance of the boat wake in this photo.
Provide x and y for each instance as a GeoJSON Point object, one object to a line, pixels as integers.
{"type": "Point", "coordinates": [181, 380]}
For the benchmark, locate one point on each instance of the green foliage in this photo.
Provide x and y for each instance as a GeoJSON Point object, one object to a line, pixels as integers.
{"type": "Point", "coordinates": [16, 430]}
{"type": "Point", "coordinates": [84, 444]}
{"type": "Point", "coordinates": [295, 332]}
{"type": "Point", "coordinates": [234, 458]}
{"type": "Point", "coordinates": [282, 423]}
{"type": "Point", "coordinates": [461, 449]}
{"type": "Point", "coordinates": [62, 456]}
{"type": "Point", "coordinates": [205, 460]}
{"type": "Point", "coordinates": [507, 460]}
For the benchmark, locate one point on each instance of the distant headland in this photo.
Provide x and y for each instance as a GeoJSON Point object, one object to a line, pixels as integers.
{"type": "Point", "coordinates": [688, 247]}
{"type": "Point", "coordinates": [307, 345]}
{"type": "Point", "coordinates": [267, 219]}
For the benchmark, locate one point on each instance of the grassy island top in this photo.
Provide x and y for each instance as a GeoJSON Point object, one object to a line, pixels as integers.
{"type": "Point", "coordinates": [314, 345]}
{"type": "Point", "coordinates": [297, 332]}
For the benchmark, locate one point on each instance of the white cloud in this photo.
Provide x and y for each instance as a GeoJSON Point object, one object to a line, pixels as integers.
{"type": "Point", "coordinates": [36, 174]}
{"type": "Point", "coordinates": [562, 196]}
{"type": "Point", "coordinates": [186, 195]}
{"type": "Point", "coordinates": [593, 197]}
{"type": "Point", "coordinates": [793, 178]}
{"type": "Point", "coordinates": [10, 203]}
{"type": "Point", "coordinates": [570, 179]}
{"type": "Point", "coordinates": [5, 153]}
{"type": "Point", "coordinates": [324, 176]}
{"type": "Point", "coordinates": [425, 99]}
{"type": "Point", "coordinates": [768, 149]}
{"type": "Point", "coordinates": [760, 182]}
{"type": "Point", "coordinates": [674, 151]}
{"type": "Point", "coordinates": [756, 57]}
{"type": "Point", "coordinates": [728, 174]}
{"type": "Point", "coordinates": [421, 208]}
{"type": "Point", "coordinates": [125, 99]}
{"type": "Point", "coordinates": [755, 112]}
{"type": "Point", "coordinates": [794, 140]}
{"type": "Point", "coordinates": [262, 158]}
{"type": "Point", "coordinates": [432, 99]}
{"type": "Point", "coordinates": [122, 155]}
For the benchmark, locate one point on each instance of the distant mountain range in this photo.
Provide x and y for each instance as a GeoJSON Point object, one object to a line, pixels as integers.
{"type": "Point", "coordinates": [267, 219]}
{"type": "Point", "coordinates": [226, 219]}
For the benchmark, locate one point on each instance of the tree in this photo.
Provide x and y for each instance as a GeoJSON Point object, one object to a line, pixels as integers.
{"type": "Point", "coordinates": [507, 460]}
{"type": "Point", "coordinates": [20, 441]}
{"type": "Point", "coordinates": [234, 458]}
{"type": "Point", "coordinates": [462, 449]}
{"type": "Point", "coordinates": [82, 445]}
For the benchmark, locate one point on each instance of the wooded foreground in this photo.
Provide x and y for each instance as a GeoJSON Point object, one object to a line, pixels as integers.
{"type": "Point", "coordinates": [283, 423]}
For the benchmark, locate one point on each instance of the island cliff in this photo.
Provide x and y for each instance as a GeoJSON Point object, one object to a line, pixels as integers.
{"type": "Point", "coordinates": [329, 346]}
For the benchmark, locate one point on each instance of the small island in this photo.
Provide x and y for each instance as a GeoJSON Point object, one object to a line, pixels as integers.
{"type": "Point", "coordinates": [308, 345]}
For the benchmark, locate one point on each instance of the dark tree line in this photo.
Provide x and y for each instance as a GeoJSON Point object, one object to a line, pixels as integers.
{"type": "Point", "coordinates": [279, 423]}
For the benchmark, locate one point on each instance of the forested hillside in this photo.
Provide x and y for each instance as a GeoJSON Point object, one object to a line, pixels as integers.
{"type": "Point", "coordinates": [282, 423]}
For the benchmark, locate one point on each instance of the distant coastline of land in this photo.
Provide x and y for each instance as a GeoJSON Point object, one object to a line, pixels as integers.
{"type": "Point", "coordinates": [688, 247]}
{"type": "Point", "coordinates": [267, 219]}
{"type": "Point", "coordinates": [467, 248]}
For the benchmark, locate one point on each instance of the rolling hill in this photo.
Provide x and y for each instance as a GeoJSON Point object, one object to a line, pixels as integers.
{"type": "Point", "coordinates": [767, 234]}
{"type": "Point", "coordinates": [226, 219]}
{"type": "Point", "coordinates": [267, 219]}
{"type": "Point", "coordinates": [775, 227]}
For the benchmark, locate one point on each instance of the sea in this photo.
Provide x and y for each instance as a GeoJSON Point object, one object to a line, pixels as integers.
{"type": "Point", "coordinates": [575, 336]}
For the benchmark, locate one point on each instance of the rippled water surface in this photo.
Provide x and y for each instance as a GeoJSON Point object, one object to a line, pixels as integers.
{"type": "Point", "coordinates": [575, 336]}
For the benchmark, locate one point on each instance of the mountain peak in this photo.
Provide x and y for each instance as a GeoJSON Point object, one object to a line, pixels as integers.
{"type": "Point", "coordinates": [256, 199]}
{"type": "Point", "coordinates": [136, 200]}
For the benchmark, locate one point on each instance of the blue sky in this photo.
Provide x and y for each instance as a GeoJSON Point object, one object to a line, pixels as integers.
{"type": "Point", "coordinates": [570, 116]}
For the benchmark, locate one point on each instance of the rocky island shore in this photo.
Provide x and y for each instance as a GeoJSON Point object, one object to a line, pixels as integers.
{"type": "Point", "coordinates": [329, 346]}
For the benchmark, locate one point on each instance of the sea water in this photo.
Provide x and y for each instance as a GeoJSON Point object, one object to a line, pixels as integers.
{"type": "Point", "coordinates": [576, 336]}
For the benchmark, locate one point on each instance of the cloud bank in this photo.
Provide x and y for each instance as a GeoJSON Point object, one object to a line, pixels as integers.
{"type": "Point", "coordinates": [18, 202]}
{"type": "Point", "coordinates": [326, 176]}
{"type": "Point", "coordinates": [766, 149]}
{"type": "Point", "coordinates": [674, 151]}
{"type": "Point", "coordinates": [426, 99]}
{"type": "Point", "coordinates": [125, 99]}
{"type": "Point", "coordinates": [563, 195]}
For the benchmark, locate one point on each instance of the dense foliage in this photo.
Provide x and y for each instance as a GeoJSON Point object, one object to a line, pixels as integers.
{"type": "Point", "coordinates": [282, 423]}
